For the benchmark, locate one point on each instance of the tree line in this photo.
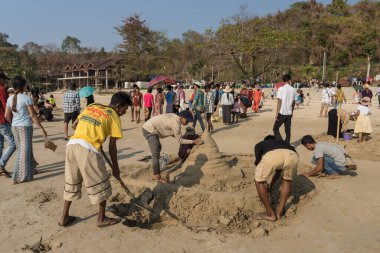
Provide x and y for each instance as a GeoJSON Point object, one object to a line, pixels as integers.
{"type": "Point", "coordinates": [242, 47]}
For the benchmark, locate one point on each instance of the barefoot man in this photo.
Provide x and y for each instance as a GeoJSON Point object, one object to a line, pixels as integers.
{"type": "Point", "coordinates": [84, 161]}
{"type": "Point", "coordinates": [274, 158]}
{"type": "Point", "coordinates": [162, 126]}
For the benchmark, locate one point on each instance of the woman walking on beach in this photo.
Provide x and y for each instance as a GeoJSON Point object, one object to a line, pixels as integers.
{"type": "Point", "coordinates": [21, 106]}
{"type": "Point", "coordinates": [257, 94]}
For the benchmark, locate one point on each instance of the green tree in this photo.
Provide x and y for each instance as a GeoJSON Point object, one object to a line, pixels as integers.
{"type": "Point", "coordinates": [71, 45]}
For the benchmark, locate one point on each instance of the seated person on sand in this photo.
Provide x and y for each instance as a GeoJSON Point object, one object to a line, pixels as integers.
{"type": "Point", "coordinates": [161, 126]}
{"type": "Point", "coordinates": [44, 113]}
{"type": "Point", "coordinates": [84, 162]}
{"type": "Point", "coordinates": [185, 149]}
{"type": "Point", "coordinates": [274, 158]}
{"type": "Point", "coordinates": [330, 159]}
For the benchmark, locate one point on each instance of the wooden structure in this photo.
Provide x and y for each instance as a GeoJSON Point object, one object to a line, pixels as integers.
{"type": "Point", "coordinates": [100, 74]}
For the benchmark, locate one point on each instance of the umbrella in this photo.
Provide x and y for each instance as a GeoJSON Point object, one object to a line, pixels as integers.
{"type": "Point", "coordinates": [279, 85]}
{"type": "Point", "coordinates": [358, 87]}
{"type": "Point", "coordinates": [159, 79]}
{"type": "Point", "coordinates": [86, 91]}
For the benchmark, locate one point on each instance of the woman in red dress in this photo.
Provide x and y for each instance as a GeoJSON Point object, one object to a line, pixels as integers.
{"type": "Point", "coordinates": [257, 94]}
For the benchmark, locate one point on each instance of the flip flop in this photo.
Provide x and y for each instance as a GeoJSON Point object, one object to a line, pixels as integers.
{"type": "Point", "coordinates": [162, 180]}
{"type": "Point", "coordinates": [66, 139]}
{"type": "Point", "coordinates": [108, 222]}
{"type": "Point", "coordinates": [145, 158]}
{"type": "Point", "coordinates": [69, 221]}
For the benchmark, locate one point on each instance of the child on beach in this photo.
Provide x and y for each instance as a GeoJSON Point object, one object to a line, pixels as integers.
{"type": "Point", "coordinates": [363, 125]}
{"type": "Point", "coordinates": [236, 109]}
{"type": "Point", "coordinates": [356, 97]}
{"type": "Point", "coordinates": [308, 98]}
{"type": "Point", "coordinates": [185, 149]}
{"type": "Point", "coordinates": [52, 101]}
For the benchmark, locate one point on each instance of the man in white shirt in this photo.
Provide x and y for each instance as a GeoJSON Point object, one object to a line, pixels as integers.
{"type": "Point", "coordinates": [286, 96]}
{"type": "Point", "coordinates": [162, 126]}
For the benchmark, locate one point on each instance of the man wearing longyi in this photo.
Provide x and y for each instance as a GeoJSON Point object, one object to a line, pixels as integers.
{"type": "Point", "coordinates": [84, 162]}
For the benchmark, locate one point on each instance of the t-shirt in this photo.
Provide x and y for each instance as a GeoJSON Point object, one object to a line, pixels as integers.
{"type": "Point", "coordinates": [165, 125]}
{"type": "Point", "coordinates": [364, 110]}
{"type": "Point", "coordinates": [148, 98]}
{"type": "Point", "coordinates": [326, 99]}
{"type": "Point", "coordinates": [3, 103]}
{"type": "Point", "coordinates": [96, 123]}
{"type": "Point", "coordinates": [52, 101]}
{"type": "Point", "coordinates": [170, 97]}
{"type": "Point", "coordinates": [22, 116]}
{"type": "Point", "coordinates": [334, 151]}
{"type": "Point", "coordinates": [136, 98]}
{"type": "Point", "coordinates": [288, 95]}
{"type": "Point", "coordinates": [264, 147]}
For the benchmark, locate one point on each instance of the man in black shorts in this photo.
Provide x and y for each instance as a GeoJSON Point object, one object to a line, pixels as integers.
{"type": "Point", "coordinates": [71, 108]}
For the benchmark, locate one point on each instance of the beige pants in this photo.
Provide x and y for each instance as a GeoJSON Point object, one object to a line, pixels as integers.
{"type": "Point", "coordinates": [279, 159]}
{"type": "Point", "coordinates": [83, 165]}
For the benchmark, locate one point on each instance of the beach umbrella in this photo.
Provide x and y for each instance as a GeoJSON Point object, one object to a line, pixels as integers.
{"type": "Point", "coordinates": [159, 79]}
{"type": "Point", "coordinates": [279, 85]}
{"type": "Point", "coordinates": [358, 87]}
{"type": "Point", "coordinates": [86, 91]}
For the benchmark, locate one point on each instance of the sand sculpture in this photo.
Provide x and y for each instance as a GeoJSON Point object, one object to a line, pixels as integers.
{"type": "Point", "coordinates": [210, 191]}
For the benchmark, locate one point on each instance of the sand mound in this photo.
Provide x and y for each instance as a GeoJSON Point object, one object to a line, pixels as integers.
{"type": "Point", "coordinates": [369, 150]}
{"type": "Point", "coordinates": [43, 197]}
{"type": "Point", "coordinates": [211, 191]}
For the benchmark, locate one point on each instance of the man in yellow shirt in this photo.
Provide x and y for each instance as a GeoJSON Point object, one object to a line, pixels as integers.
{"type": "Point", "coordinates": [84, 161]}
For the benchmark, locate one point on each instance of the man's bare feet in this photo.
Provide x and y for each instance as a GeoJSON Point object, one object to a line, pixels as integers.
{"type": "Point", "coordinates": [265, 216]}
{"type": "Point", "coordinates": [67, 221]}
{"type": "Point", "coordinates": [161, 179]}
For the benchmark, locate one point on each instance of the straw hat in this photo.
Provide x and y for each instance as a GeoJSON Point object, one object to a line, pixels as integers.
{"type": "Point", "coordinates": [227, 89]}
{"type": "Point", "coordinates": [366, 101]}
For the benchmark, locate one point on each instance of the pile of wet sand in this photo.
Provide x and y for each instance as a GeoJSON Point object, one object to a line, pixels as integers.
{"type": "Point", "coordinates": [210, 191]}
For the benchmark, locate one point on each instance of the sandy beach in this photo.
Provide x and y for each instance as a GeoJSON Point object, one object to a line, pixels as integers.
{"type": "Point", "coordinates": [212, 209]}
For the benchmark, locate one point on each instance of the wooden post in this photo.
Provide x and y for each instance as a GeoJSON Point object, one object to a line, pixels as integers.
{"type": "Point", "coordinates": [106, 80]}
{"type": "Point", "coordinates": [338, 125]}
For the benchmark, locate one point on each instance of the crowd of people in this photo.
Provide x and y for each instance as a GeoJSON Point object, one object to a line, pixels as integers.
{"type": "Point", "coordinates": [274, 157]}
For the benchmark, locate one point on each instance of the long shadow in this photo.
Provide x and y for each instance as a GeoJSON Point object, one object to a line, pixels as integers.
{"type": "Point", "coordinates": [51, 165]}
{"type": "Point", "coordinates": [129, 155]}
{"type": "Point", "coordinates": [300, 187]}
{"type": "Point", "coordinates": [225, 128]}
{"type": "Point", "coordinates": [52, 139]}
{"type": "Point", "coordinates": [41, 136]}
{"type": "Point", "coordinates": [129, 129]}
{"type": "Point", "coordinates": [49, 176]}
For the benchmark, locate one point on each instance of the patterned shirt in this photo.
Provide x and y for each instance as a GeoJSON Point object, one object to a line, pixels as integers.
{"type": "Point", "coordinates": [71, 102]}
{"type": "Point", "coordinates": [209, 104]}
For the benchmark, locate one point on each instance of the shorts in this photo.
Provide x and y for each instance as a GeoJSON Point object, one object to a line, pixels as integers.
{"type": "Point", "coordinates": [208, 115]}
{"type": "Point", "coordinates": [137, 108]}
{"type": "Point", "coordinates": [280, 159]}
{"type": "Point", "coordinates": [88, 167]}
{"type": "Point", "coordinates": [71, 116]}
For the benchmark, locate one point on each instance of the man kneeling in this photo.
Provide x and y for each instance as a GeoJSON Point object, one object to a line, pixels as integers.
{"type": "Point", "coordinates": [330, 159]}
{"type": "Point", "coordinates": [274, 158]}
{"type": "Point", "coordinates": [84, 162]}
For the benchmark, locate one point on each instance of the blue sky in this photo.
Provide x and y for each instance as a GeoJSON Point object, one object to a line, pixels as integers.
{"type": "Point", "coordinates": [93, 21]}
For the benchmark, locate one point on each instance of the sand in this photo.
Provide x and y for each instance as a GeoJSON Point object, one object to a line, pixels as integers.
{"type": "Point", "coordinates": [209, 208]}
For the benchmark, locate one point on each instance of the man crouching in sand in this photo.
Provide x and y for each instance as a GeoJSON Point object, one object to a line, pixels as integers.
{"type": "Point", "coordinates": [274, 158]}
{"type": "Point", "coordinates": [84, 161]}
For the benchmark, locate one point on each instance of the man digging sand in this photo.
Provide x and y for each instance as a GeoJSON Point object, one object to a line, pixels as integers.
{"type": "Point", "coordinates": [84, 161]}
{"type": "Point", "coordinates": [162, 126]}
{"type": "Point", "coordinates": [274, 158]}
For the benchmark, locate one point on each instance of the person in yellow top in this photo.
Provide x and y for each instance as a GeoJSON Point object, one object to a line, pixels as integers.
{"type": "Point", "coordinates": [52, 101]}
{"type": "Point", "coordinates": [84, 162]}
{"type": "Point", "coordinates": [339, 95]}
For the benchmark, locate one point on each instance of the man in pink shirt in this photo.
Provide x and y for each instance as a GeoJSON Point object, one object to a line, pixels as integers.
{"type": "Point", "coordinates": [148, 103]}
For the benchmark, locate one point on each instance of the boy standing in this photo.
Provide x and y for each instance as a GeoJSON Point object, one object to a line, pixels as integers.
{"type": "Point", "coordinates": [137, 103]}
{"type": "Point", "coordinates": [84, 162]}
